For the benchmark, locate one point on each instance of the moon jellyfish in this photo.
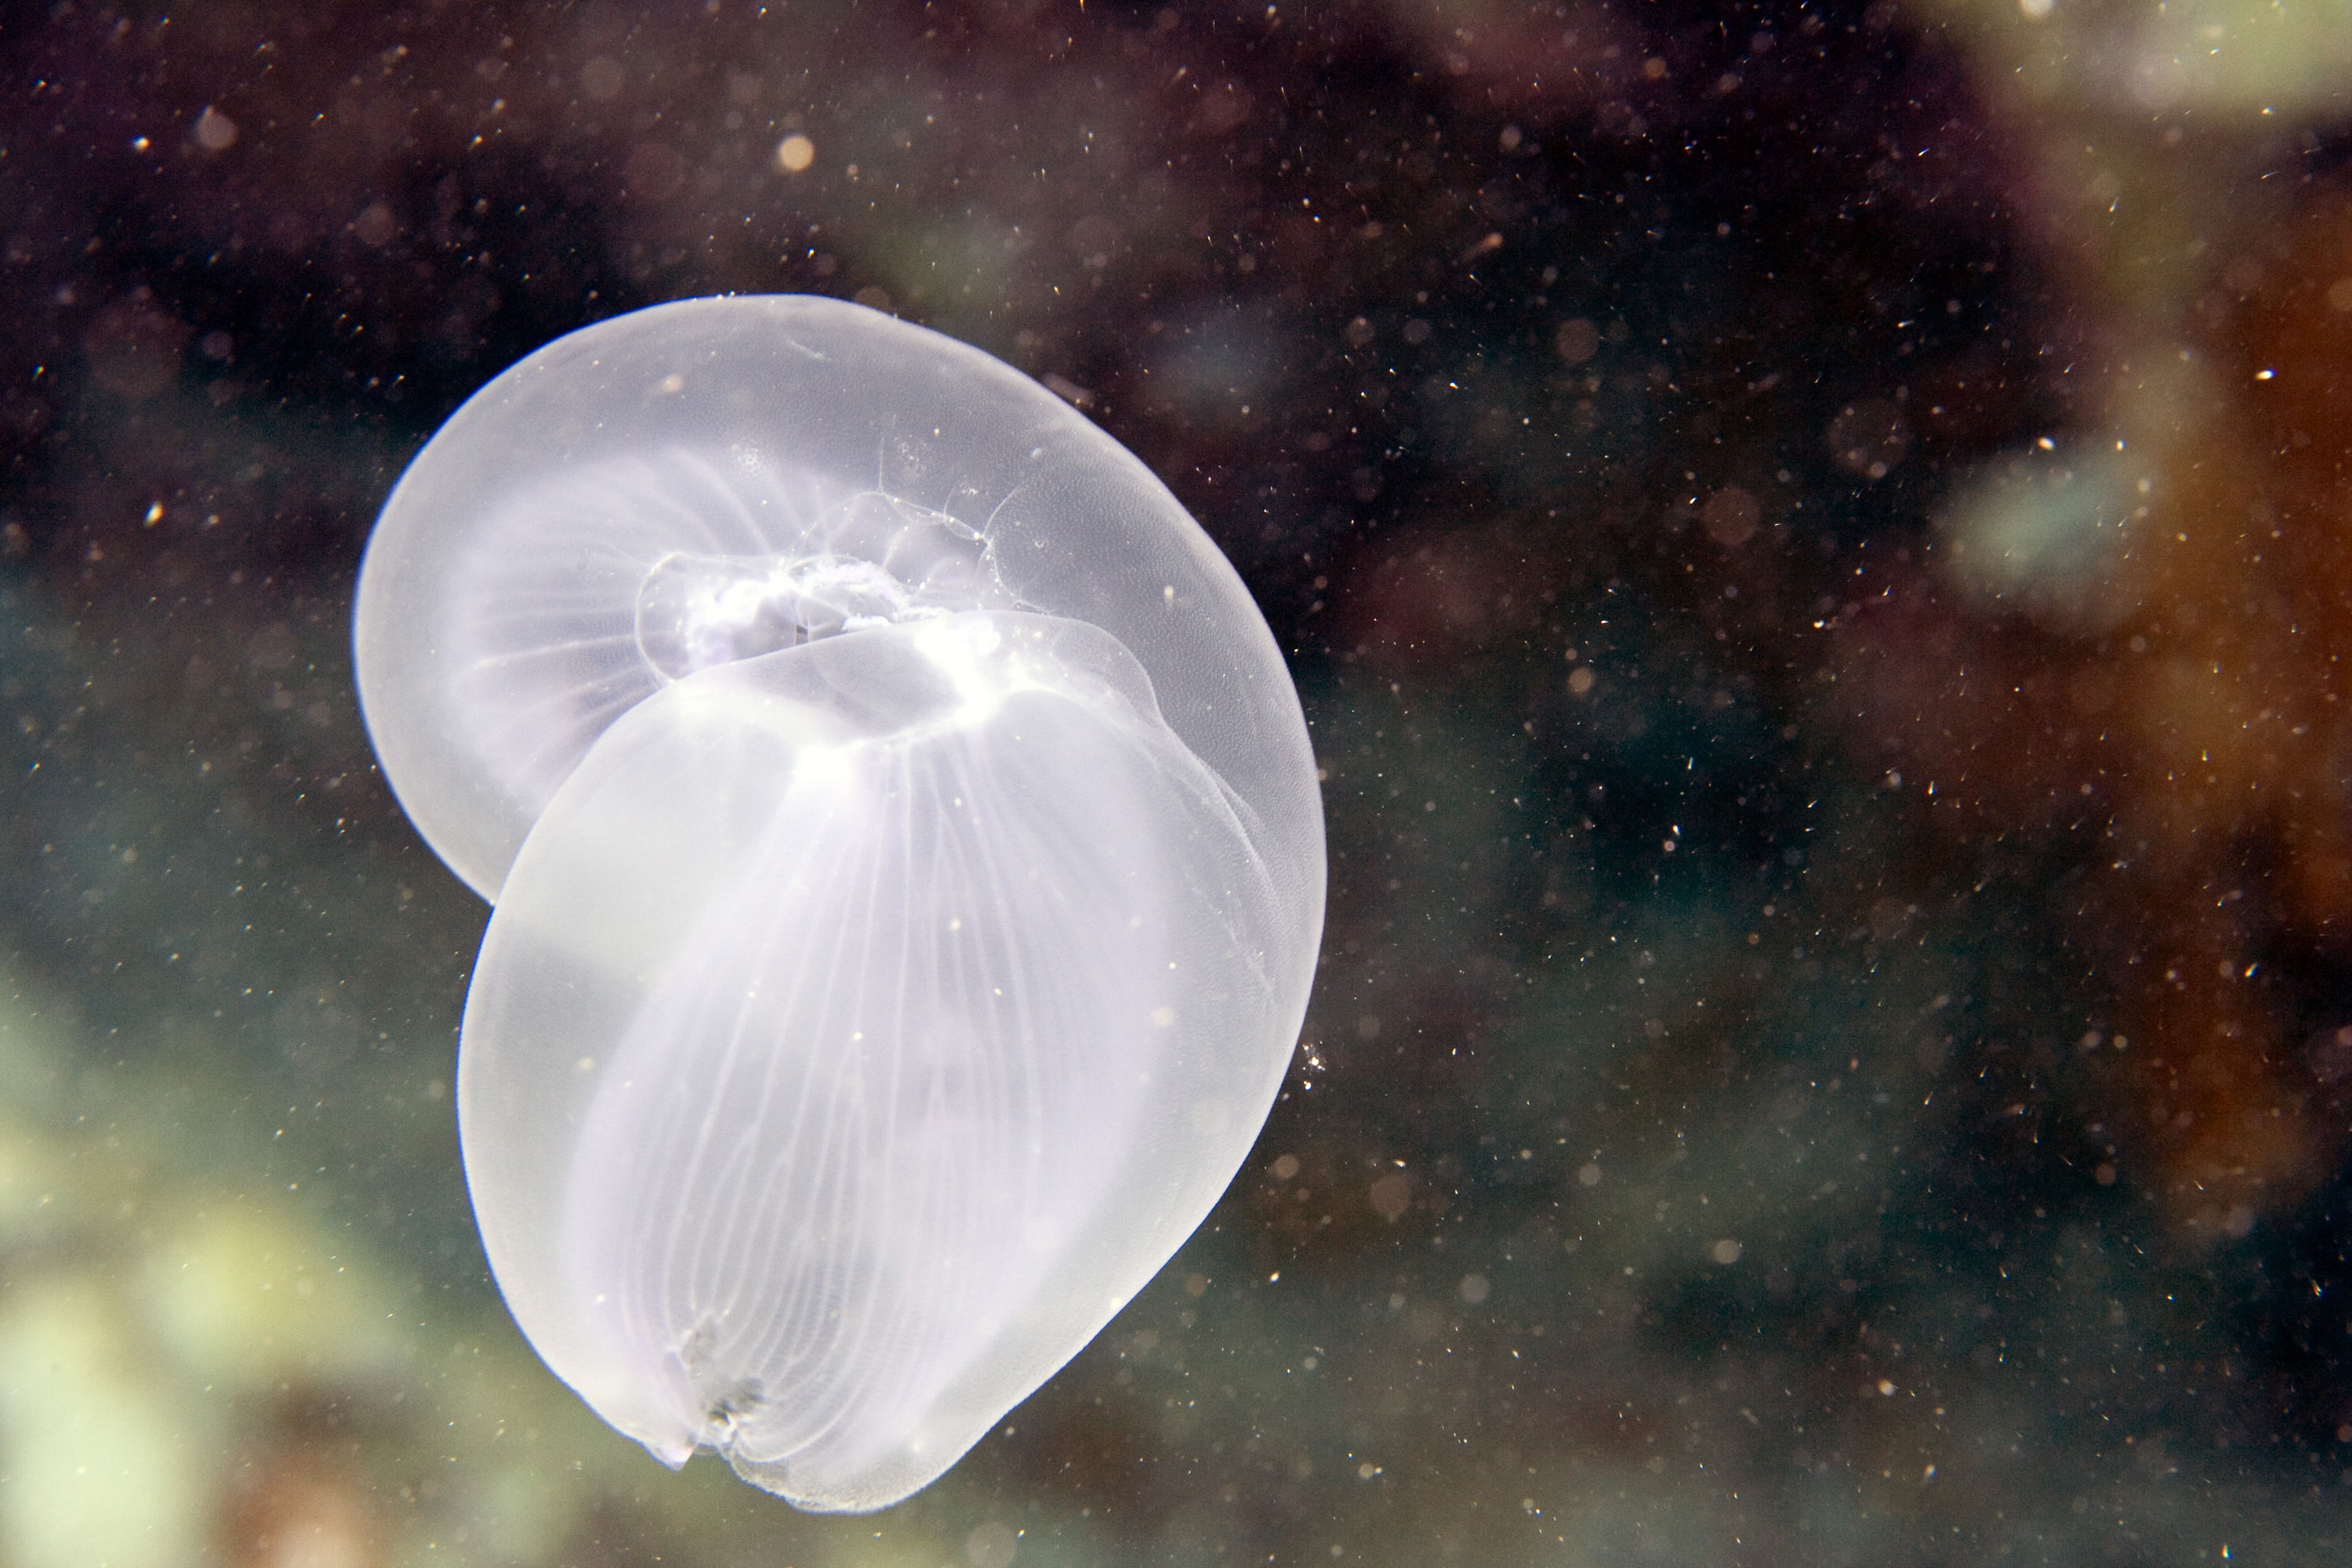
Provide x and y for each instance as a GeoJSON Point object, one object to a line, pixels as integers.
{"type": "Point", "coordinates": [907, 865]}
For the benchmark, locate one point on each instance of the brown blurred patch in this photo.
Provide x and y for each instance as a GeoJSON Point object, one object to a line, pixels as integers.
{"type": "Point", "coordinates": [654, 173]}
{"type": "Point", "coordinates": [1730, 516]}
{"type": "Point", "coordinates": [2206, 732]}
{"type": "Point", "coordinates": [1085, 1440]}
{"type": "Point", "coordinates": [2225, 1113]}
{"type": "Point", "coordinates": [1869, 436]}
{"type": "Point", "coordinates": [134, 346]}
{"type": "Point", "coordinates": [2237, 736]}
{"type": "Point", "coordinates": [1334, 1198]}
{"type": "Point", "coordinates": [287, 1511]}
{"type": "Point", "coordinates": [1977, 717]}
{"type": "Point", "coordinates": [1432, 596]}
{"type": "Point", "coordinates": [1504, 54]}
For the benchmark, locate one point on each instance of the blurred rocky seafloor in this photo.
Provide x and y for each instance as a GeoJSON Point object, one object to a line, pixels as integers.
{"type": "Point", "coordinates": [1815, 543]}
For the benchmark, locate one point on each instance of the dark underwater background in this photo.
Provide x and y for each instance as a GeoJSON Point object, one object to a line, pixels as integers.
{"type": "Point", "coordinates": [1815, 541]}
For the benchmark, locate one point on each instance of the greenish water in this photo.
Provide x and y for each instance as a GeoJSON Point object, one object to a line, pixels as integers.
{"type": "Point", "coordinates": [1825, 1050]}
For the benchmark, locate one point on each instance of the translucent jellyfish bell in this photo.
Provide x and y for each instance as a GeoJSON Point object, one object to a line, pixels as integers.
{"type": "Point", "coordinates": [908, 865]}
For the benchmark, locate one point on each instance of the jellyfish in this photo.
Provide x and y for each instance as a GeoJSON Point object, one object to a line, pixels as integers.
{"type": "Point", "coordinates": [906, 863]}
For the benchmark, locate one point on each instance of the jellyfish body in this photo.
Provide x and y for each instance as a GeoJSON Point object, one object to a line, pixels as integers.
{"type": "Point", "coordinates": [906, 862]}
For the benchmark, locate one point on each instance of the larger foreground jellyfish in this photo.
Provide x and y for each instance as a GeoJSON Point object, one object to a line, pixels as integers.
{"type": "Point", "coordinates": [908, 868]}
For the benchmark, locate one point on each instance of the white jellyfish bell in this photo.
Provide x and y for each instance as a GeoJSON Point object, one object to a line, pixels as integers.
{"type": "Point", "coordinates": [908, 865]}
